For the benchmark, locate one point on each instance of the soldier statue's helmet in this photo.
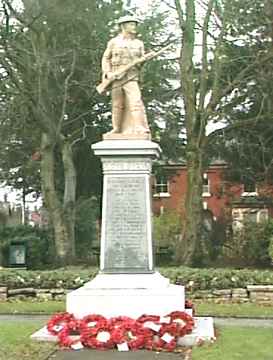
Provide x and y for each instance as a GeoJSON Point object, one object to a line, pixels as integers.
{"type": "Point", "coordinates": [127, 18]}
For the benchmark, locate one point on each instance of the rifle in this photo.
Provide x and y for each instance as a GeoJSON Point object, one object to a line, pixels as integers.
{"type": "Point", "coordinates": [118, 75]}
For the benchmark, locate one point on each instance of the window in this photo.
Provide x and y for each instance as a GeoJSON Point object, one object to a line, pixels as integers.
{"type": "Point", "coordinates": [249, 187]}
{"type": "Point", "coordinates": [161, 186]}
{"type": "Point", "coordinates": [206, 185]}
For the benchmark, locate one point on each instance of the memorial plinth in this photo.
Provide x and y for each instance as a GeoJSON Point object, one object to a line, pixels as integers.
{"type": "Point", "coordinates": [127, 283]}
{"type": "Point", "coordinates": [126, 239]}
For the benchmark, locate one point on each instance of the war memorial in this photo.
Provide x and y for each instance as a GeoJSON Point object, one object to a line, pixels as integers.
{"type": "Point", "coordinates": [127, 284]}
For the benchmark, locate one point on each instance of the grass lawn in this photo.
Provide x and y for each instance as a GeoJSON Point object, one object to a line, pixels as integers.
{"type": "Point", "coordinates": [15, 343]}
{"type": "Point", "coordinates": [240, 310]}
{"type": "Point", "coordinates": [233, 343]}
{"type": "Point", "coordinates": [238, 344]}
{"type": "Point", "coordinates": [51, 307]}
{"type": "Point", "coordinates": [31, 307]}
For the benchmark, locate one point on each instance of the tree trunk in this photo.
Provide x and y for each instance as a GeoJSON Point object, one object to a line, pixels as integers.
{"type": "Point", "coordinates": [59, 213]}
{"type": "Point", "coordinates": [190, 248]}
{"type": "Point", "coordinates": [70, 179]}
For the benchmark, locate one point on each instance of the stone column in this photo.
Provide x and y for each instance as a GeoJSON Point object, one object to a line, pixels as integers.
{"type": "Point", "coordinates": [126, 238]}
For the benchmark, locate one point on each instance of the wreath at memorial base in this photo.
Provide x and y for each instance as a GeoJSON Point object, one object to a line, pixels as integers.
{"type": "Point", "coordinates": [71, 333]}
{"type": "Point", "coordinates": [133, 335]}
{"type": "Point", "coordinates": [183, 321]}
{"type": "Point", "coordinates": [99, 337]}
{"type": "Point", "coordinates": [151, 332]}
{"type": "Point", "coordinates": [94, 320]}
{"type": "Point", "coordinates": [58, 322]}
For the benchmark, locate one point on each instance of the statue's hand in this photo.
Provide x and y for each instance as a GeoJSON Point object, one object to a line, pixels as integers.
{"type": "Point", "coordinates": [149, 55]}
{"type": "Point", "coordinates": [107, 75]}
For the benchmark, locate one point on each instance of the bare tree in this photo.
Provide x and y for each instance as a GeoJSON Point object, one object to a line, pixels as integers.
{"type": "Point", "coordinates": [212, 80]}
{"type": "Point", "coordinates": [41, 57]}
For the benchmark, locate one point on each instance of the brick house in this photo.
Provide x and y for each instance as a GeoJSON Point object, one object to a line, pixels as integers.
{"type": "Point", "coordinates": [223, 200]}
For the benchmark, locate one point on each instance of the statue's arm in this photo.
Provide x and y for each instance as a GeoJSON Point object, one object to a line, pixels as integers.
{"type": "Point", "coordinates": [142, 50]}
{"type": "Point", "coordinates": [142, 54]}
{"type": "Point", "coordinates": [106, 61]}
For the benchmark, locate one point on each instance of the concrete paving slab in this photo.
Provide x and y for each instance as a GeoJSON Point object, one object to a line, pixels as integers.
{"type": "Point", "coordinates": [116, 355]}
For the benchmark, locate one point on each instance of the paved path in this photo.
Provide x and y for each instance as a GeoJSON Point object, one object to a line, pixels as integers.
{"type": "Point", "coordinates": [116, 355]}
{"type": "Point", "coordinates": [268, 323]}
{"type": "Point", "coordinates": [253, 322]}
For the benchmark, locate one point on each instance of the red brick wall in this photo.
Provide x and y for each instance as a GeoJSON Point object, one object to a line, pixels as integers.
{"type": "Point", "coordinates": [221, 192]}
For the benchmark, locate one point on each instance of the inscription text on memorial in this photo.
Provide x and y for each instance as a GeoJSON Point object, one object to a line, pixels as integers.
{"type": "Point", "coordinates": [126, 230]}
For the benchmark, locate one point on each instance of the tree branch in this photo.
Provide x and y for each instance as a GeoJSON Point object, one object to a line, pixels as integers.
{"type": "Point", "coordinates": [84, 134]}
{"type": "Point", "coordinates": [180, 14]}
{"type": "Point", "coordinates": [216, 65]}
{"type": "Point", "coordinates": [20, 18]}
{"type": "Point", "coordinates": [204, 69]}
{"type": "Point", "coordinates": [66, 85]}
{"type": "Point", "coordinates": [239, 124]}
{"type": "Point", "coordinates": [216, 98]}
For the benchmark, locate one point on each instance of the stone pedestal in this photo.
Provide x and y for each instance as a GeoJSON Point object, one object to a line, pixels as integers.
{"type": "Point", "coordinates": [127, 283]}
{"type": "Point", "coordinates": [126, 238]}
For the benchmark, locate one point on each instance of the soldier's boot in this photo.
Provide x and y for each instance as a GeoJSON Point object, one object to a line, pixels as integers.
{"type": "Point", "coordinates": [140, 119]}
{"type": "Point", "coordinates": [117, 115]}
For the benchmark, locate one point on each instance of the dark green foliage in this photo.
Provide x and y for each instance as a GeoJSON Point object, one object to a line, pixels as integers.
{"type": "Point", "coordinates": [212, 278]}
{"type": "Point", "coordinates": [86, 230]}
{"type": "Point", "coordinates": [61, 278]}
{"type": "Point", "coordinates": [33, 96]}
{"type": "Point", "coordinates": [250, 245]}
{"type": "Point", "coordinates": [193, 279]}
{"type": "Point", "coordinates": [246, 142]}
{"type": "Point", "coordinates": [82, 27]}
{"type": "Point", "coordinates": [166, 230]}
{"type": "Point", "coordinates": [39, 246]}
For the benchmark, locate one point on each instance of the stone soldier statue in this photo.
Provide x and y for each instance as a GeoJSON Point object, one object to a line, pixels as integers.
{"type": "Point", "coordinates": [128, 112]}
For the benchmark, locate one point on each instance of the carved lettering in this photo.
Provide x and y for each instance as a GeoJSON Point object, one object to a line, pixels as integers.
{"type": "Point", "coordinates": [126, 245]}
{"type": "Point", "coordinates": [127, 166]}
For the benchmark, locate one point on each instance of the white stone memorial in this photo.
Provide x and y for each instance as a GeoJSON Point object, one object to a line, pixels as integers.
{"type": "Point", "coordinates": [127, 283]}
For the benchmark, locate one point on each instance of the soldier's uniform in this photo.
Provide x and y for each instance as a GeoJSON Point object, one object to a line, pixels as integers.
{"type": "Point", "coordinates": [128, 112]}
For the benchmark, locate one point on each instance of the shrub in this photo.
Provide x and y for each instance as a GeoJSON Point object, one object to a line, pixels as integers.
{"type": "Point", "coordinates": [192, 278]}
{"type": "Point", "coordinates": [60, 278]}
{"type": "Point", "coordinates": [166, 230]}
{"type": "Point", "coordinates": [249, 245]}
{"type": "Point", "coordinates": [212, 278]}
{"type": "Point", "coordinates": [86, 232]}
{"type": "Point", "coordinates": [270, 249]}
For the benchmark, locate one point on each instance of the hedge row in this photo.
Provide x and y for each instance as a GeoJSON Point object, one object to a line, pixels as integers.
{"type": "Point", "coordinates": [192, 279]}
{"type": "Point", "coordinates": [211, 278]}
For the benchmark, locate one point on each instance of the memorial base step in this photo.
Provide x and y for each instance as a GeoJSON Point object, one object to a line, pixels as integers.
{"type": "Point", "coordinates": [128, 302]}
{"type": "Point", "coordinates": [128, 281]}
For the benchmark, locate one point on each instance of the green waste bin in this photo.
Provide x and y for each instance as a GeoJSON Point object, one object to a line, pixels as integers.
{"type": "Point", "coordinates": [17, 254]}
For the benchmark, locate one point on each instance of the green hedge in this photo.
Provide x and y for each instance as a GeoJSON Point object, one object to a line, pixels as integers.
{"type": "Point", "coordinates": [211, 278]}
{"type": "Point", "coordinates": [193, 279]}
{"type": "Point", "coordinates": [61, 278]}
